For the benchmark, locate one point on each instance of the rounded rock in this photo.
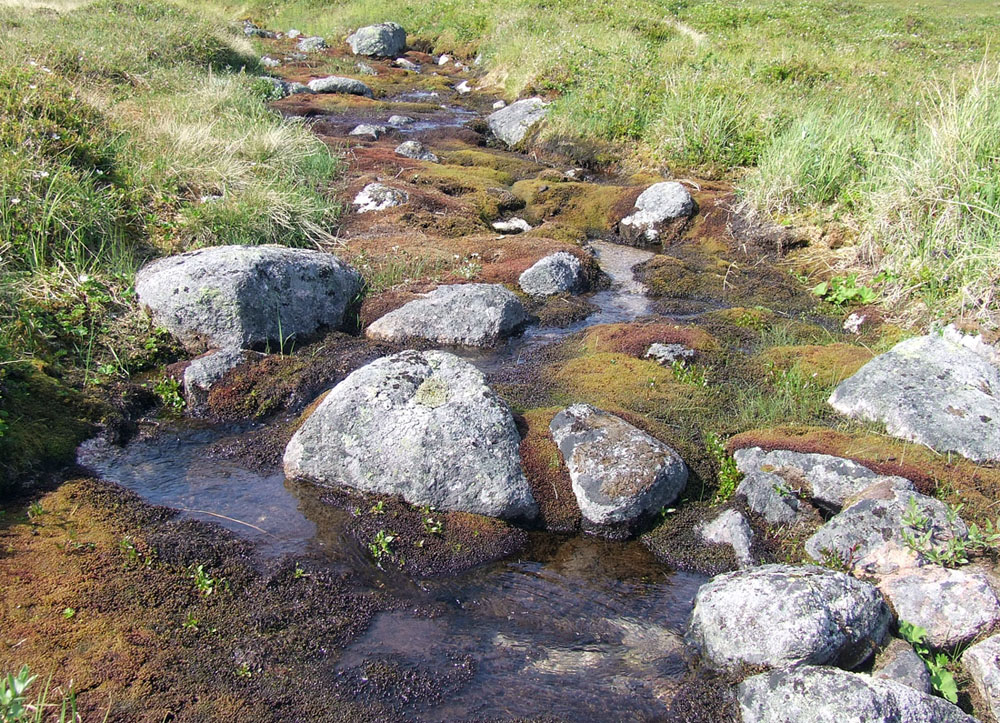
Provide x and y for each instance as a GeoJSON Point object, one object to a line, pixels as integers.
{"type": "Point", "coordinates": [557, 273]}
{"type": "Point", "coordinates": [385, 40]}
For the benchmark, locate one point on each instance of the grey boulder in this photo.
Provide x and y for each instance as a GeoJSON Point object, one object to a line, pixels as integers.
{"type": "Point", "coordinates": [312, 44]}
{"type": "Point", "coordinates": [667, 354]}
{"type": "Point", "coordinates": [511, 124]}
{"type": "Point", "coordinates": [619, 473]}
{"type": "Point", "coordinates": [422, 425]}
{"type": "Point", "coordinates": [952, 605]}
{"type": "Point", "coordinates": [247, 296]}
{"type": "Point", "coordinates": [557, 273]}
{"type": "Point", "coordinates": [206, 371]}
{"type": "Point", "coordinates": [869, 535]}
{"type": "Point", "coordinates": [379, 197]}
{"type": "Point", "coordinates": [900, 662]}
{"type": "Point", "coordinates": [385, 40]}
{"type": "Point", "coordinates": [460, 314]}
{"type": "Point", "coordinates": [820, 695]}
{"type": "Point", "coordinates": [415, 150]}
{"type": "Point", "coordinates": [660, 210]}
{"type": "Point", "coordinates": [368, 129]}
{"type": "Point", "coordinates": [942, 390]}
{"type": "Point", "coordinates": [284, 88]}
{"type": "Point", "coordinates": [337, 84]}
{"type": "Point", "coordinates": [731, 528]}
{"type": "Point", "coordinates": [781, 615]}
{"type": "Point", "coordinates": [982, 663]}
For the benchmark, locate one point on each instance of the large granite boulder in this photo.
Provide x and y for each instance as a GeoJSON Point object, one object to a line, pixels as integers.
{"type": "Point", "coordinates": [247, 296]}
{"type": "Point", "coordinates": [385, 40]}
{"type": "Point", "coordinates": [422, 425]}
{"type": "Point", "coordinates": [870, 534]}
{"type": "Point", "coordinates": [460, 314]}
{"type": "Point", "coordinates": [781, 615]}
{"type": "Point", "coordinates": [820, 695]}
{"type": "Point", "coordinates": [942, 390]}
{"type": "Point", "coordinates": [557, 273]}
{"type": "Point", "coordinates": [511, 124]}
{"type": "Point", "coordinates": [660, 214]}
{"type": "Point", "coordinates": [337, 84]}
{"type": "Point", "coordinates": [619, 473]}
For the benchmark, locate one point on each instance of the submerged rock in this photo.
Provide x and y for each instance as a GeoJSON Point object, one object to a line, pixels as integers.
{"type": "Point", "coordinates": [247, 296]}
{"type": "Point", "coordinates": [557, 273]}
{"type": "Point", "coordinates": [337, 84]}
{"type": "Point", "coordinates": [385, 40]}
{"type": "Point", "coordinates": [942, 390]}
{"type": "Point", "coordinates": [952, 605]}
{"type": "Point", "coordinates": [460, 314]}
{"type": "Point", "coordinates": [422, 425]}
{"type": "Point", "coordinates": [731, 528]}
{"type": "Point", "coordinates": [982, 663]}
{"type": "Point", "coordinates": [619, 472]}
{"type": "Point", "coordinates": [819, 695]}
{"type": "Point", "coordinates": [415, 150]}
{"type": "Point", "coordinates": [781, 615]}
{"type": "Point", "coordinates": [378, 197]}
{"type": "Point", "coordinates": [661, 211]}
{"type": "Point", "coordinates": [511, 124]}
{"type": "Point", "coordinates": [900, 662]}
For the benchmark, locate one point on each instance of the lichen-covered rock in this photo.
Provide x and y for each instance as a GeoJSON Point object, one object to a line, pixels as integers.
{"type": "Point", "coordinates": [820, 695]}
{"type": "Point", "coordinates": [369, 129]}
{"type": "Point", "coordinates": [406, 64]}
{"type": "Point", "coordinates": [312, 44]}
{"type": "Point", "coordinates": [667, 354]}
{"type": "Point", "coordinates": [422, 425]}
{"type": "Point", "coordinates": [247, 296]}
{"type": "Point", "coordinates": [781, 615]}
{"type": "Point", "coordinates": [337, 84]}
{"type": "Point", "coordinates": [414, 149]}
{"type": "Point", "coordinates": [512, 124]}
{"type": "Point", "coordinates": [205, 371]}
{"type": "Point", "coordinates": [385, 40]}
{"type": "Point", "coordinates": [982, 663]}
{"type": "Point", "coordinates": [660, 212]}
{"type": "Point", "coordinates": [284, 88]}
{"type": "Point", "coordinates": [952, 605]}
{"type": "Point", "coordinates": [900, 662]}
{"type": "Point", "coordinates": [379, 197]}
{"type": "Point", "coordinates": [776, 482]}
{"type": "Point", "coordinates": [557, 273]}
{"type": "Point", "coordinates": [460, 314]}
{"type": "Point", "coordinates": [731, 528]}
{"type": "Point", "coordinates": [942, 390]}
{"type": "Point", "coordinates": [868, 535]}
{"type": "Point", "coordinates": [619, 473]}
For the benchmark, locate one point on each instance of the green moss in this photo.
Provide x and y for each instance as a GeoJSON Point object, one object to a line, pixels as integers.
{"type": "Point", "coordinates": [828, 365]}
{"type": "Point", "coordinates": [593, 209]}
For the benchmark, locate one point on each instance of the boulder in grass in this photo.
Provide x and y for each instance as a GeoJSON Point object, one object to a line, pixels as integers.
{"type": "Point", "coordinates": [337, 84]}
{"type": "Point", "coordinates": [241, 297]}
{"type": "Point", "coordinates": [782, 615]}
{"type": "Point", "coordinates": [415, 150]}
{"type": "Point", "coordinates": [941, 390]}
{"type": "Point", "coordinates": [661, 212]}
{"type": "Point", "coordinates": [385, 40]}
{"type": "Point", "coordinates": [422, 425]}
{"type": "Point", "coordinates": [512, 123]}
{"type": "Point", "coordinates": [312, 44]}
{"type": "Point", "coordinates": [619, 473]}
{"type": "Point", "coordinates": [461, 314]}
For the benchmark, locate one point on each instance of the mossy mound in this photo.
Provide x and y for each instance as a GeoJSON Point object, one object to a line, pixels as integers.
{"type": "Point", "coordinates": [635, 338]}
{"type": "Point", "coordinates": [829, 364]}
{"type": "Point", "coordinates": [591, 208]}
{"type": "Point", "coordinates": [546, 473]}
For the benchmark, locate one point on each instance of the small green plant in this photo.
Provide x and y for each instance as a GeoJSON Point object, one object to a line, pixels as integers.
{"type": "Point", "coordinates": [941, 678]}
{"type": "Point", "coordinates": [243, 671]}
{"type": "Point", "coordinates": [729, 473]}
{"type": "Point", "coordinates": [68, 613]}
{"type": "Point", "coordinates": [432, 525]}
{"type": "Point", "coordinates": [688, 373]}
{"type": "Point", "coordinates": [202, 582]}
{"type": "Point", "coordinates": [191, 622]}
{"type": "Point", "coordinates": [299, 573]}
{"type": "Point", "coordinates": [836, 560]}
{"type": "Point", "coordinates": [920, 536]}
{"type": "Point", "coordinates": [12, 694]}
{"type": "Point", "coordinates": [844, 290]}
{"type": "Point", "coordinates": [35, 510]}
{"type": "Point", "coordinates": [380, 547]}
{"type": "Point", "coordinates": [378, 508]}
{"type": "Point", "coordinates": [168, 390]}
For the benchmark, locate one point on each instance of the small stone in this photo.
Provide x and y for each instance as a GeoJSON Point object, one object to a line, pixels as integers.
{"type": "Point", "coordinates": [661, 210]}
{"type": "Point", "coordinates": [781, 615]}
{"type": "Point", "coordinates": [499, 105]}
{"type": "Point", "coordinates": [284, 88]}
{"type": "Point", "coordinates": [268, 62]}
{"type": "Point", "coordinates": [385, 40]}
{"type": "Point", "coordinates": [336, 84]}
{"type": "Point", "coordinates": [900, 662]}
{"type": "Point", "coordinates": [251, 30]}
{"type": "Point", "coordinates": [365, 69]}
{"type": "Point", "coordinates": [512, 124]}
{"type": "Point", "coordinates": [619, 473]}
{"type": "Point", "coordinates": [416, 151]}
{"type": "Point", "coordinates": [311, 44]}
{"type": "Point", "coordinates": [444, 60]}
{"type": "Point", "coordinates": [293, 33]}
{"type": "Point", "coordinates": [556, 273]}
{"type": "Point", "coordinates": [852, 324]}
{"type": "Point", "coordinates": [667, 354]}
{"type": "Point", "coordinates": [400, 121]}
{"type": "Point", "coordinates": [731, 528]}
{"type": "Point", "coordinates": [982, 662]}
{"type": "Point", "coordinates": [460, 314]}
{"type": "Point", "coordinates": [206, 371]}
{"type": "Point", "coordinates": [512, 225]}
{"type": "Point", "coordinates": [952, 605]}
{"type": "Point", "coordinates": [406, 64]}
{"type": "Point", "coordinates": [367, 129]}
{"type": "Point", "coordinates": [379, 197]}
{"type": "Point", "coordinates": [463, 88]}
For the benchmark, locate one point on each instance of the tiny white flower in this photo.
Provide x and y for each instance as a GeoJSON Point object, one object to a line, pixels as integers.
{"type": "Point", "coordinates": [84, 278]}
{"type": "Point", "coordinates": [15, 201]}
{"type": "Point", "coordinates": [56, 136]}
{"type": "Point", "coordinates": [33, 86]}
